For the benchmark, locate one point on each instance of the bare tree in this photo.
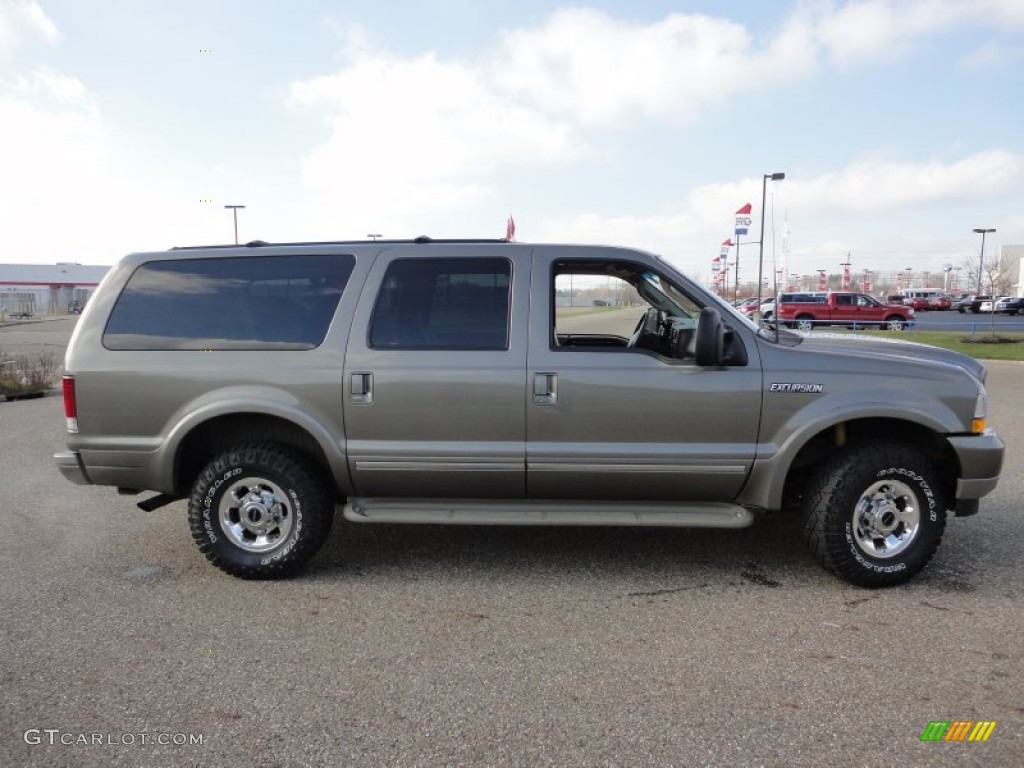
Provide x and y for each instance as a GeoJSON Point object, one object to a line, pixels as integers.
{"type": "Point", "coordinates": [996, 275]}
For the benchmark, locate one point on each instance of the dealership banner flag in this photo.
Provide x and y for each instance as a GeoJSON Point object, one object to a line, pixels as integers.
{"type": "Point", "coordinates": [743, 220]}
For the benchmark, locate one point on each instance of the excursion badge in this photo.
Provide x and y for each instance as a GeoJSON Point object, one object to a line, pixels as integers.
{"type": "Point", "coordinates": [795, 386]}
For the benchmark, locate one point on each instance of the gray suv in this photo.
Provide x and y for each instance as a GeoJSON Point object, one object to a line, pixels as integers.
{"type": "Point", "coordinates": [488, 382]}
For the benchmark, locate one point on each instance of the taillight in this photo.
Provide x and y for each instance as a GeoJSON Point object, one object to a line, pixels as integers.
{"type": "Point", "coordinates": [70, 405]}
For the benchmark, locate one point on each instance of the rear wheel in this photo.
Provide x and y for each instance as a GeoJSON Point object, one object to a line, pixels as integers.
{"type": "Point", "coordinates": [805, 323]}
{"type": "Point", "coordinates": [260, 511]}
{"type": "Point", "coordinates": [875, 514]}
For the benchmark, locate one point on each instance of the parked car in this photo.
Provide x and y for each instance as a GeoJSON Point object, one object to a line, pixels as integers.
{"type": "Point", "coordinates": [972, 303]}
{"type": "Point", "coordinates": [74, 308]}
{"type": "Point", "coordinates": [925, 298]}
{"type": "Point", "coordinates": [435, 381]}
{"type": "Point", "coordinates": [845, 308]}
{"type": "Point", "coordinates": [1010, 305]}
{"type": "Point", "coordinates": [989, 305]}
{"type": "Point", "coordinates": [766, 308]}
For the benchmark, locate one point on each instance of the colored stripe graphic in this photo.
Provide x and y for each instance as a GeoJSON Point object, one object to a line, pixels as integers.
{"type": "Point", "coordinates": [958, 730]}
{"type": "Point", "coordinates": [982, 730]}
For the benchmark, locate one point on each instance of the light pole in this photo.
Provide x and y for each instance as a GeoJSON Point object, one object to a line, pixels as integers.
{"type": "Point", "coordinates": [234, 213]}
{"type": "Point", "coordinates": [760, 245]}
{"type": "Point", "coordinates": [981, 257]}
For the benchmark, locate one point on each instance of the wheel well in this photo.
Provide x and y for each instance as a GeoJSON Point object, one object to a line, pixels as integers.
{"type": "Point", "coordinates": [212, 437]}
{"type": "Point", "coordinates": [824, 443]}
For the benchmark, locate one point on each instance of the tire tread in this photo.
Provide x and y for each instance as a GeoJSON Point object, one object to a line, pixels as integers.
{"type": "Point", "coordinates": [317, 504]}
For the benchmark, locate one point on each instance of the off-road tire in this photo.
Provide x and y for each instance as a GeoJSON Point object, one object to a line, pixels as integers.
{"type": "Point", "coordinates": [866, 487]}
{"type": "Point", "coordinates": [277, 516]}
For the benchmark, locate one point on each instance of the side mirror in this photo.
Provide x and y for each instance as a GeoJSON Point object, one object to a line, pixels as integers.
{"type": "Point", "coordinates": [710, 342]}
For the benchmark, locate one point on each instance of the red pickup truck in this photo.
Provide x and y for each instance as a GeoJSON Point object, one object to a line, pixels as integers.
{"type": "Point", "coordinates": [807, 311]}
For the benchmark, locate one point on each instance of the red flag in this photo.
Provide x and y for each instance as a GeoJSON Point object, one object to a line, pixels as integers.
{"type": "Point", "coordinates": [744, 209]}
{"type": "Point", "coordinates": [728, 241]}
{"type": "Point", "coordinates": [510, 229]}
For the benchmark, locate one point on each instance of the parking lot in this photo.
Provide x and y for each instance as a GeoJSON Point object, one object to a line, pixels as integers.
{"type": "Point", "coordinates": [429, 646]}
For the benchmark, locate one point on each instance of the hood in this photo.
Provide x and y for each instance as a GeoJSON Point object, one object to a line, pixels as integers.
{"type": "Point", "coordinates": [894, 349]}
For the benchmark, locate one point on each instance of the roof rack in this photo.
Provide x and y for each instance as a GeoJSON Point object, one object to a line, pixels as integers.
{"type": "Point", "coordinates": [421, 239]}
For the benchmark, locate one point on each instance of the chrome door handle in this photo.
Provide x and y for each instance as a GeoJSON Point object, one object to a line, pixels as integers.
{"type": "Point", "coordinates": [545, 388]}
{"type": "Point", "coordinates": [362, 388]}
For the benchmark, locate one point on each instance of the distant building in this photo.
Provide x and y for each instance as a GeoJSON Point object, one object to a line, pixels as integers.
{"type": "Point", "coordinates": [1012, 256]}
{"type": "Point", "coordinates": [46, 289]}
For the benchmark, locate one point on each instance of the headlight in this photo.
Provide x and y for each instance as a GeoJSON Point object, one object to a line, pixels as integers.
{"type": "Point", "coordinates": [980, 413]}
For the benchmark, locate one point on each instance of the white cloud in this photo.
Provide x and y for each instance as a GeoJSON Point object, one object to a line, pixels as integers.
{"type": "Point", "coordinates": [889, 190]}
{"type": "Point", "coordinates": [880, 185]}
{"type": "Point", "coordinates": [865, 31]}
{"type": "Point", "coordinates": [596, 68]}
{"type": "Point", "coordinates": [411, 137]}
{"type": "Point", "coordinates": [993, 54]}
{"type": "Point", "coordinates": [888, 186]}
{"type": "Point", "coordinates": [22, 21]}
{"type": "Point", "coordinates": [68, 195]}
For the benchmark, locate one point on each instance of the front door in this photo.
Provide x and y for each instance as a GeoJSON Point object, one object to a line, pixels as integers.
{"type": "Point", "coordinates": [615, 414]}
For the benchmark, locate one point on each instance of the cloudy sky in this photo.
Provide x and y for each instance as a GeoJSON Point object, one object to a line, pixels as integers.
{"type": "Point", "coordinates": [128, 124]}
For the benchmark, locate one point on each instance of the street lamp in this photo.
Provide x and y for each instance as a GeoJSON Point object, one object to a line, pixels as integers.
{"type": "Point", "coordinates": [234, 213]}
{"type": "Point", "coordinates": [981, 258]}
{"type": "Point", "coordinates": [760, 245]}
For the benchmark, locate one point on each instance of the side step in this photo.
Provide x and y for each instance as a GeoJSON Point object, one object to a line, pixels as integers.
{"type": "Point", "coordinates": [523, 512]}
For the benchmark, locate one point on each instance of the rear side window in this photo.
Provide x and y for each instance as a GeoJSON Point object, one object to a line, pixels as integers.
{"type": "Point", "coordinates": [443, 304]}
{"type": "Point", "coordinates": [259, 302]}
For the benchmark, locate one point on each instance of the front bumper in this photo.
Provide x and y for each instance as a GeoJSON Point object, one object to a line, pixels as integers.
{"type": "Point", "coordinates": [981, 461]}
{"type": "Point", "coordinates": [70, 465]}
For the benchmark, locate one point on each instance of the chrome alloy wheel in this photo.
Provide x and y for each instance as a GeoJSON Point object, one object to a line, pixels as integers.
{"type": "Point", "coordinates": [886, 519]}
{"type": "Point", "coordinates": [255, 514]}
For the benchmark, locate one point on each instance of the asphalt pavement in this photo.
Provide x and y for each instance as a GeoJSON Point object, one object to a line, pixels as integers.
{"type": "Point", "coordinates": [435, 646]}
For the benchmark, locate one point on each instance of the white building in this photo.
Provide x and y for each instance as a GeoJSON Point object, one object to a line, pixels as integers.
{"type": "Point", "coordinates": [1013, 257]}
{"type": "Point", "coordinates": [46, 289]}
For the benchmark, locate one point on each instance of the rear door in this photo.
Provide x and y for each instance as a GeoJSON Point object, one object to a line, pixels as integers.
{"type": "Point", "coordinates": [434, 381]}
{"type": "Point", "coordinates": [610, 415]}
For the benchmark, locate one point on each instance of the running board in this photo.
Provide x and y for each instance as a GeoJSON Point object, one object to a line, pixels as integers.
{"type": "Point", "coordinates": [515, 512]}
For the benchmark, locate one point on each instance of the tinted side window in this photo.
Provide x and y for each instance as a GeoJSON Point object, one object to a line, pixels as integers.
{"type": "Point", "coordinates": [443, 304]}
{"type": "Point", "coordinates": [260, 302]}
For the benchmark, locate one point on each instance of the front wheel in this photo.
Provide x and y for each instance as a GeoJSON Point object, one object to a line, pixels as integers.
{"type": "Point", "coordinates": [260, 511]}
{"type": "Point", "coordinates": [894, 323]}
{"type": "Point", "coordinates": [875, 513]}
